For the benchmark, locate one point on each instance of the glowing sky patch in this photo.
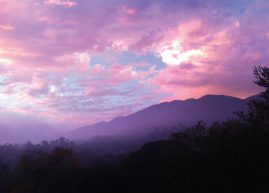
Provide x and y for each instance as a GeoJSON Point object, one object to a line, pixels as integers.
{"type": "Point", "coordinates": [173, 54]}
{"type": "Point", "coordinates": [52, 89]}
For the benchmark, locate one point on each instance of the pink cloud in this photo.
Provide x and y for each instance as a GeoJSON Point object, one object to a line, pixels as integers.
{"type": "Point", "coordinates": [65, 3]}
{"type": "Point", "coordinates": [7, 27]}
{"type": "Point", "coordinates": [204, 48]}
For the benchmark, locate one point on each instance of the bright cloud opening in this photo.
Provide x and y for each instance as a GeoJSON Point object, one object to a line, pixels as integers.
{"type": "Point", "coordinates": [173, 54]}
{"type": "Point", "coordinates": [52, 89]}
{"type": "Point", "coordinates": [5, 61]}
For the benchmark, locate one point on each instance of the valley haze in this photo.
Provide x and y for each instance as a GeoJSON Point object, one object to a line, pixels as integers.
{"type": "Point", "coordinates": [164, 116]}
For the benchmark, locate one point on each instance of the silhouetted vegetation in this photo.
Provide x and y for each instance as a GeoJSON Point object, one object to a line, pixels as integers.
{"type": "Point", "coordinates": [232, 156]}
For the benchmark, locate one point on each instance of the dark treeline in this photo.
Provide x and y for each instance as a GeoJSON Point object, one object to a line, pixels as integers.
{"type": "Point", "coordinates": [232, 156]}
{"type": "Point", "coordinates": [90, 153]}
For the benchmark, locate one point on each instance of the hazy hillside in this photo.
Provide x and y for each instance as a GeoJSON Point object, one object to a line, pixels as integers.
{"type": "Point", "coordinates": [208, 108]}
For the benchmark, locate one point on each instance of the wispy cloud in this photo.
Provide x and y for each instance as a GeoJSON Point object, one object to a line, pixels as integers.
{"type": "Point", "coordinates": [65, 3]}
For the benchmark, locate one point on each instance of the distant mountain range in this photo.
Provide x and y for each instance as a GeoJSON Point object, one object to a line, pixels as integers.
{"type": "Point", "coordinates": [178, 113]}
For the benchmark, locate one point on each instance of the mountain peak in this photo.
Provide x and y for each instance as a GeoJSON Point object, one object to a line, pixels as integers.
{"type": "Point", "coordinates": [212, 96]}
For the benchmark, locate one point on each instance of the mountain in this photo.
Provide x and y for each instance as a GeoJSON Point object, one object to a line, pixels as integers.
{"type": "Point", "coordinates": [209, 108]}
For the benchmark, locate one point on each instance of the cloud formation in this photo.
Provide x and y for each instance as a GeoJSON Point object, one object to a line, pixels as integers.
{"type": "Point", "coordinates": [85, 61]}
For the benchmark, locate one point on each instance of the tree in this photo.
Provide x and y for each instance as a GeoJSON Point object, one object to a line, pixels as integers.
{"type": "Point", "coordinates": [258, 112]}
{"type": "Point", "coordinates": [3, 166]}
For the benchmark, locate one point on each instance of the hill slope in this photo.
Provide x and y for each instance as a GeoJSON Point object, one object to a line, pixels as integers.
{"type": "Point", "coordinates": [208, 108]}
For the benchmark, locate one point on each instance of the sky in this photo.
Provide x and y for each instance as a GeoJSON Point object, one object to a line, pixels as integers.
{"type": "Point", "coordinates": [69, 63]}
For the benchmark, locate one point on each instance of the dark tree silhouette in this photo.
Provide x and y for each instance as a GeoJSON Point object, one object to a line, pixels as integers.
{"type": "Point", "coordinates": [258, 112]}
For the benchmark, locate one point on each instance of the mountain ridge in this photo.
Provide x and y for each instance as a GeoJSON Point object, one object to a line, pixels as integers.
{"type": "Point", "coordinates": [209, 108]}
